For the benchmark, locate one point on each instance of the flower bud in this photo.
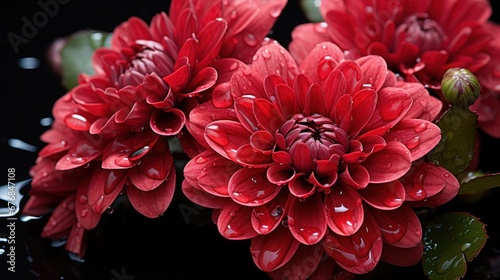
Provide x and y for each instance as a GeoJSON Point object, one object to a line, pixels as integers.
{"type": "Point", "coordinates": [460, 87]}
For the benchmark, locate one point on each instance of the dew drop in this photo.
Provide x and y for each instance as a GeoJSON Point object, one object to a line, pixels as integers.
{"type": "Point", "coordinates": [82, 199]}
{"type": "Point", "coordinates": [465, 246]}
{"type": "Point", "coordinates": [277, 212]}
{"type": "Point", "coordinates": [84, 213]}
{"type": "Point", "coordinates": [134, 155]}
{"type": "Point", "coordinates": [310, 234]}
{"type": "Point", "coordinates": [266, 54]}
{"type": "Point", "coordinates": [233, 66]}
{"type": "Point", "coordinates": [445, 265]}
{"type": "Point", "coordinates": [233, 14]}
{"type": "Point", "coordinates": [459, 161]}
{"type": "Point", "coordinates": [250, 40]}
{"type": "Point", "coordinates": [109, 210]}
{"type": "Point", "coordinates": [413, 143]}
{"type": "Point", "coordinates": [420, 127]}
{"type": "Point", "coordinates": [77, 122]}
{"type": "Point", "coordinates": [203, 173]}
{"type": "Point", "coordinates": [200, 160]}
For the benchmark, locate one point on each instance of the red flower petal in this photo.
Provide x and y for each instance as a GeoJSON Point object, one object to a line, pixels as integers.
{"type": "Point", "coordinates": [307, 220]}
{"type": "Point", "coordinates": [450, 189]}
{"type": "Point", "coordinates": [153, 203]}
{"type": "Point", "coordinates": [127, 150]}
{"type": "Point", "coordinates": [419, 136]}
{"type": "Point", "coordinates": [305, 37]}
{"type": "Point", "coordinates": [267, 115]}
{"type": "Point", "coordinates": [344, 210]}
{"type": "Point", "coordinates": [392, 105]}
{"type": "Point", "coordinates": [203, 198]}
{"type": "Point", "coordinates": [353, 75]}
{"type": "Point", "coordinates": [300, 186]}
{"type": "Point", "coordinates": [210, 38]}
{"type": "Point", "coordinates": [82, 153]}
{"type": "Point", "coordinates": [355, 176]}
{"type": "Point", "coordinates": [104, 187]}
{"type": "Point", "coordinates": [153, 170]}
{"type": "Point", "coordinates": [302, 265]}
{"type": "Point", "coordinates": [272, 251]}
{"type": "Point", "coordinates": [384, 196]}
{"type": "Point", "coordinates": [389, 164]}
{"type": "Point", "coordinates": [128, 32]}
{"type": "Point", "coordinates": [61, 220]}
{"type": "Point", "coordinates": [250, 187]}
{"type": "Point", "coordinates": [246, 155]}
{"type": "Point", "coordinates": [374, 71]}
{"type": "Point", "coordinates": [211, 172]}
{"type": "Point", "coordinates": [358, 253]}
{"type": "Point", "coordinates": [167, 123]}
{"type": "Point", "coordinates": [87, 217]}
{"type": "Point", "coordinates": [251, 26]}
{"type": "Point", "coordinates": [225, 137]}
{"type": "Point", "coordinates": [363, 106]}
{"type": "Point", "coordinates": [426, 180]}
{"type": "Point", "coordinates": [234, 222]}
{"type": "Point", "coordinates": [280, 174]}
{"type": "Point", "coordinates": [266, 217]}
{"type": "Point", "coordinates": [315, 101]}
{"type": "Point", "coordinates": [202, 115]}
{"type": "Point", "coordinates": [273, 59]}
{"type": "Point", "coordinates": [77, 240]}
{"type": "Point", "coordinates": [400, 227]}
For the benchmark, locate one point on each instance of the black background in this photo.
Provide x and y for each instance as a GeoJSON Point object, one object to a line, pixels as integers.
{"type": "Point", "coordinates": [125, 243]}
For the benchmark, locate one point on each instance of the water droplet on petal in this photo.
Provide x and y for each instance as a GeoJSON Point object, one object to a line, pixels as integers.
{"type": "Point", "coordinates": [82, 199]}
{"type": "Point", "coordinates": [233, 66]}
{"type": "Point", "coordinates": [233, 14]}
{"type": "Point", "coordinates": [138, 153]}
{"type": "Point", "coordinates": [266, 54]}
{"type": "Point", "coordinates": [310, 234]}
{"type": "Point", "coordinates": [109, 210]}
{"type": "Point", "coordinates": [77, 122]}
{"type": "Point", "coordinates": [277, 212]}
{"type": "Point", "coordinates": [250, 40]}
{"type": "Point", "coordinates": [413, 143]}
{"type": "Point", "coordinates": [420, 127]}
{"type": "Point", "coordinates": [84, 213]}
{"type": "Point", "coordinates": [417, 191]}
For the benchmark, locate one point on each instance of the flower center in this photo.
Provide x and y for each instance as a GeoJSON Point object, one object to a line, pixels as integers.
{"type": "Point", "coordinates": [421, 31]}
{"type": "Point", "coordinates": [320, 134]}
{"type": "Point", "coordinates": [145, 57]}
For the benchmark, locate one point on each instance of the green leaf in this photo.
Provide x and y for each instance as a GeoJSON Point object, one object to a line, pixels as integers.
{"type": "Point", "coordinates": [450, 241]}
{"type": "Point", "coordinates": [311, 10]}
{"type": "Point", "coordinates": [76, 55]}
{"type": "Point", "coordinates": [481, 183]}
{"type": "Point", "coordinates": [456, 148]}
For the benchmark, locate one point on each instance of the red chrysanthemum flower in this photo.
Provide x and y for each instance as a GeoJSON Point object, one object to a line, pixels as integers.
{"type": "Point", "coordinates": [112, 131]}
{"type": "Point", "coordinates": [319, 164]}
{"type": "Point", "coordinates": [420, 40]}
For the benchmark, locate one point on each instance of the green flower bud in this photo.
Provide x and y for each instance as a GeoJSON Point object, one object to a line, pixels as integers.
{"type": "Point", "coordinates": [460, 87]}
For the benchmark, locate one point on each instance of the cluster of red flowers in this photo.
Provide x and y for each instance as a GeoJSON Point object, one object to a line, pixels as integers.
{"type": "Point", "coordinates": [316, 153]}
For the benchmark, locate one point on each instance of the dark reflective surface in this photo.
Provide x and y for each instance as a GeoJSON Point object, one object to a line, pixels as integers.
{"type": "Point", "coordinates": [180, 244]}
